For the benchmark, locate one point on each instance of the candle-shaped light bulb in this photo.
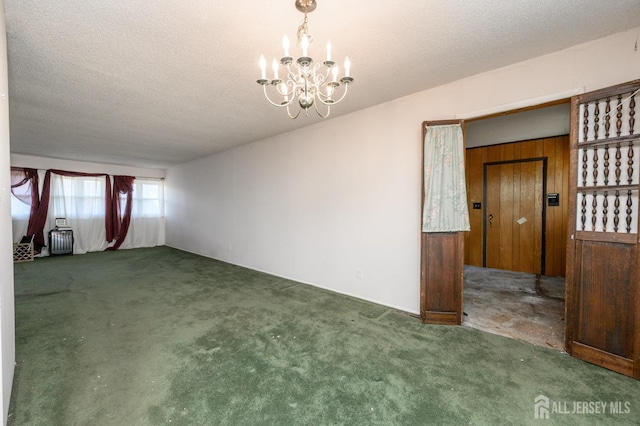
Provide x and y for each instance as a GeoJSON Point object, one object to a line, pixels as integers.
{"type": "Point", "coordinates": [285, 45]}
{"type": "Point", "coordinates": [304, 43]}
{"type": "Point", "coordinates": [328, 51]}
{"type": "Point", "coordinates": [347, 66]}
{"type": "Point", "coordinates": [283, 91]}
{"type": "Point", "coordinates": [274, 65]}
{"type": "Point", "coordinates": [263, 67]}
{"type": "Point", "coordinates": [335, 73]}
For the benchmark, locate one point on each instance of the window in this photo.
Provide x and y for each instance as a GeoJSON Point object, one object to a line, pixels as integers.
{"type": "Point", "coordinates": [77, 197]}
{"type": "Point", "coordinates": [82, 201]}
{"type": "Point", "coordinates": [19, 210]}
{"type": "Point", "coordinates": [148, 198]}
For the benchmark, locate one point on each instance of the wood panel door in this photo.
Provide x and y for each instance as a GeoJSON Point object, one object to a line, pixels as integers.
{"type": "Point", "coordinates": [556, 150]}
{"type": "Point", "coordinates": [602, 289]}
{"type": "Point", "coordinates": [514, 215]}
{"type": "Point", "coordinates": [441, 266]}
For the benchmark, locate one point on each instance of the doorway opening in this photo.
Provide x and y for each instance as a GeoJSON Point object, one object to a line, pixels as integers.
{"type": "Point", "coordinates": [517, 180]}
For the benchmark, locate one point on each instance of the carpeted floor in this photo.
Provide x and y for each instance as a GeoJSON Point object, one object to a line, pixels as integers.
{"type": "Point", "coordinates": [159, 336]}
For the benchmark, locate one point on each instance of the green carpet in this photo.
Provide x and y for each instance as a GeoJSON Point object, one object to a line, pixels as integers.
{"type": "Point", "coordinates": [159, 336]}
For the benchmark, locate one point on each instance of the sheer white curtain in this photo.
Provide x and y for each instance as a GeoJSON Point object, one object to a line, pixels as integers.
{"type": "Point", "coordinates": [445, 192]}
{"type": "Point", "coordinates": [147, 215]}
{"type": "Point", "coordinates": [19, 218]}
{"type": "Point", "coordinates": [81, 200]}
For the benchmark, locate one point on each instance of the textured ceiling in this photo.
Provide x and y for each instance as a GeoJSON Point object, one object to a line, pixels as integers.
{"type": "Point", "coordinates": [156, 83]}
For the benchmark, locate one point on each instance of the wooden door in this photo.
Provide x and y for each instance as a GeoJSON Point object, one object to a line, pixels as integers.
{"type": "Point", "coordinates": [556, 218]}
{"type": "Point", "coordinates": [602, 299]}
{"type": "Point", "coordinates": [514, 215]}
{"type": "Point", "coordinates": [441, 266]}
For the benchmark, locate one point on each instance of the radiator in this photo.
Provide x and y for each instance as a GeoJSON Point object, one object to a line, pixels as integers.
{"type": "Point", "coordinates": [60, 242]}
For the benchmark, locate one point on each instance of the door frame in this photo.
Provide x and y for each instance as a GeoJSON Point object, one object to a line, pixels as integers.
{"type": "Point", "coordinates": [441, 287]}
{"type": "Point", "coordinates": [434, 308]}
{"type": "Point", "coordinates": [543, 251]}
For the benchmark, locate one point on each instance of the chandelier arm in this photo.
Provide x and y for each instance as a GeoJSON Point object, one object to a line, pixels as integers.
{"type": "Point", "coordinates": [292, 77]}
{"type": "Point", "coordinates": [315, 105]}
{"type": "Point", "coordinates": [293, 117]}
{"type": "Point", "coordinates": [326, 103]}
{"type": "Point", "coordinates": [289, 93]}
{"type": "Point", "coordinates": [282, 104]}
{"type": "Point", "coordinates": [322, 97]}
{"type": "Point", "coordinates": [327, 73]}
{"type": "Point", "coordinates": [346, 88]}
{"type": "Point", "coordinates": [318, 78]}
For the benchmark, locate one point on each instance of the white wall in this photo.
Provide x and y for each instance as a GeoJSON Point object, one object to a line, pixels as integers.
{"type": "Point", "coordinates": [7, 312]}
{"type": "Point", "coordinates": [322, 203]}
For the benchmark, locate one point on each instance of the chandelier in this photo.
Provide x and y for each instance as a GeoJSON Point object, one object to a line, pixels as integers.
{"type": "Point", "coordinates": [306, 82]}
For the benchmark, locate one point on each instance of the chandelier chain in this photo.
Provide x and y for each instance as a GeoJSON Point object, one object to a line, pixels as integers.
{"type": "Point", "coordinates": [303, 29]}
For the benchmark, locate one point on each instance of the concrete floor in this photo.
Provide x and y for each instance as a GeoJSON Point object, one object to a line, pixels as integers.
{"type": "Point", "coordinates": [521, 306]}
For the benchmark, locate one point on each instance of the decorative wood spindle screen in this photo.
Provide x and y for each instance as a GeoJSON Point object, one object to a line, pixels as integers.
{"type": "Point", "coordinates": [602, 297]}
{"type": "Point", "coordinates": [608, 168]}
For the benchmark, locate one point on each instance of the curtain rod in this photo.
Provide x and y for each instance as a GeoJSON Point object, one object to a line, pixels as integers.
{"type": "Point", "coordinates": [109, 174]}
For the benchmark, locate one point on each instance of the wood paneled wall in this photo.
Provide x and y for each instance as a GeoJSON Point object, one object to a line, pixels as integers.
{"type": "Point", "coordinates": [556, 150]}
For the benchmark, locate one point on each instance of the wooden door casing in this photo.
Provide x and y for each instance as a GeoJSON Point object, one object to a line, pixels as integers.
{"type": "Point", "coordinates": [556, 150]}
{"type": "Point", "coordinates": [441, 265]}
{"type": "Point", "coordinates": [602, 301]}
{"type": "Point", "coordinates": [514, 215]}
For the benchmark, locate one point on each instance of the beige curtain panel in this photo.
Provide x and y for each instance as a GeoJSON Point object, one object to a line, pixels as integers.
{"type": "Point", "coordinates": [445, 201]}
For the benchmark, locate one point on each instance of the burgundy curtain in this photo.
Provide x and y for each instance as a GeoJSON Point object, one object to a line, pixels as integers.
{"type": "Point", "coordinates": [24, 186]}
{"type": "Point", "coordinates": [121, 185]}
{"type": "Point", "coordinates": [29, 179]}
{"type": "Point", "coordinates": [43, 209]}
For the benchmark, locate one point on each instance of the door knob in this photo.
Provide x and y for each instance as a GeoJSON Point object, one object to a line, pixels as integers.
{"type": "Point", "coordinates": [490, 221]}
